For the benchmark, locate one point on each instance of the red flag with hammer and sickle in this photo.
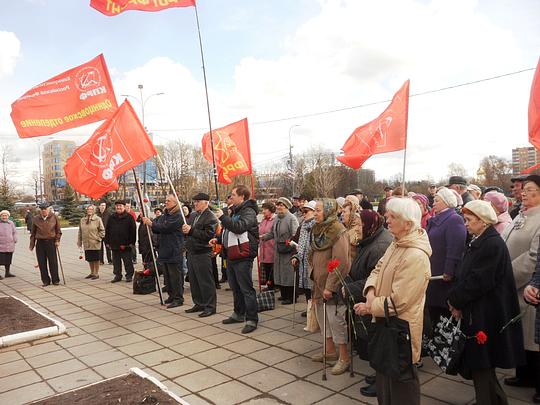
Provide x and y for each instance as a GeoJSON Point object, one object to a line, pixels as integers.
{"type": "Point", "coordinates": [118, 145]}
{"type": "Point", "coordinates": [231, 150]}
{"type": "Point", "coordinates": [386, 133]}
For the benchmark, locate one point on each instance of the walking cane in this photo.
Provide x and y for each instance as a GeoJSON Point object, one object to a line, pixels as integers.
{"type": "Point", "coordinates": [61, 265]}
{"type": "Point", "coordinates": [294, 297]}
{"type": "Point", "coordinates": [324, 341]}
{"type": "Point", "coordinates": [349, 318]}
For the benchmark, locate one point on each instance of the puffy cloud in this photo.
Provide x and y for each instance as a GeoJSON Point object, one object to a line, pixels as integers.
{"type": "Point", "coordinates": [10, 50]}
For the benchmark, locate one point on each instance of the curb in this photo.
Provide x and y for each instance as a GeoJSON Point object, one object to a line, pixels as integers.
{"type": "Point", "coordinates": [133, 370]}
{"type": "Point", "coordinates": [30, 335]}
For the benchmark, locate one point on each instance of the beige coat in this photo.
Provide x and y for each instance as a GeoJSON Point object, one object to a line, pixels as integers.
{"type": "Point", "coordinates": [91, 235]}
{"type": "Point", "coordinates": [403, 275]}
{"type": "Point", "coordinates": [523, 247]}
{"type": "Point", "coordinates": [318, 266]}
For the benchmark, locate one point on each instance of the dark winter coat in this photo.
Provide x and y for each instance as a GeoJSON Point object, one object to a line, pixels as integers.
{"type": "Point", "coordinates": [370, 251]}
{"type": "Point", "coordinates": [243, 219]}
{"type": "Point", "coordinates": [447, 234]}
{"type": "Point", "coordinates": [485, 292]}
{"type": "Point", "coordinates": [203, 228]}
{"type": "Point", "coordinates": [121, 231]}
{"type": "Point", "coordinates": [145, 249]}
{"type": "Point", "coordinates": [171, 238]}
{"type": "Point", "coordinates": [535, 282]}
{"type": "Point", "coordinates": [105, 215]}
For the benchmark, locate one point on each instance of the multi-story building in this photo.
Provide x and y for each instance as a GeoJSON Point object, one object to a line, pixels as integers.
{"type": "Point", "coordinates": [523, 158]}
{"type": "Point", "coordinates": [54, 155]}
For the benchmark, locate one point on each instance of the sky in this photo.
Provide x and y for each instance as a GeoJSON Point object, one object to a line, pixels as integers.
{"type": "Point", "coordinates": [270, 60]}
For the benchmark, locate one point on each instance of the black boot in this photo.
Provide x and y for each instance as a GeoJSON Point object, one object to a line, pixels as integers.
{"type": "Point", "coordinates": [8, 274]}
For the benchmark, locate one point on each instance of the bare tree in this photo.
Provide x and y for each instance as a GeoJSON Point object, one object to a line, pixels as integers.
{"type": "Point", "coordinates": [456, 169]}
{"type": "Point", "coordinates": [495, 171]}
{"type": "Point", "coordinates": [7, 190]}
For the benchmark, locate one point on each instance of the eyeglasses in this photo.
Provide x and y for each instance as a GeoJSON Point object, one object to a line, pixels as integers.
{"type": "Point", "coordinates": [528, 190]}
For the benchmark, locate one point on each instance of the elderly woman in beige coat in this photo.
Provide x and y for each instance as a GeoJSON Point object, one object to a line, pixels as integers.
{"type": "Point", "coordinates": [330, 241]}
{"type": "Point", "coordinates": [91, 233]}
{"type": "Point", "coordinates": [401, 275]}
{"type": "Point", "coordinates": [522, 236]}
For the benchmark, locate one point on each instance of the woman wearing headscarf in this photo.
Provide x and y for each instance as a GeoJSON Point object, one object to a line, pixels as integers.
{"type": "Point", "coordinates": [283, 230]}
{"type": "Point", "coordinates": [400, 278]}
{"type": "Point", "coordinates": [499, 202]}
{"type": "Point", "coordinates": [329, 241]}
{"type": "Point", "coordinates": [485, 297]}
{"type": "Point", "coordinates": [91, 233]}
{"type": "Point", "coordinates": [353, 226]}
{"type": "Point", "coordinates": [374, 240]}
{"type": "Point", "coordinates": [447, 235]}
{"type": "Point", "coordinates": [8, 238]}
{"type": "Point", "coordinates": [423, 203]}
{"type": "Point", "coordinates": [300, 258]}
{"type": "Point", "coordinates": [522, 237]}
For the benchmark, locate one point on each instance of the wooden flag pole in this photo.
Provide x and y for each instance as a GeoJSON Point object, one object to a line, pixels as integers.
{"type": "Point", "coordinates": [148, 229]}
{"type": "Point", "coordinates": [208, 107]}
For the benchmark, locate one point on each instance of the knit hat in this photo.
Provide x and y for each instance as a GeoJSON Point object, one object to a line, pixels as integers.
{"type": "Point", "coordinates": [422, 198]}
{"type": "Point", "coordinates": [340, 201]}
{"type": "Point", "coordinates": [448, 197]}
{"type": "Point", "coordinates": [474, 187]}
{"type": "Point", "coordinates": [310, 205]}
{"type": "Point", "coordinates": [285, 201]}
{"type": "Point", "coordinates": [483, 210]}
{"type": "Point", "coordinates": [499, 200]}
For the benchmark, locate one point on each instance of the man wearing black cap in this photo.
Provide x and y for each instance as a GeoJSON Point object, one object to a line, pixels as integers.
{"type": "Point", "coordinates": [517, 187]}
{"type": "Point", "coordinates": [459, 184]}
{"type": "Point", "coordinates": [120, 235]}
{"type": "Point", "coordinates": [45, 237]}
{"type": "Point", "coordinates": [200, 229]}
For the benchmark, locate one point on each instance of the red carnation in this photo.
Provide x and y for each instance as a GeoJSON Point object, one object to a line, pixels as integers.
{"type": "Point", "coordinates": [333, 264]}
{"type": "Point", "coordinates": [80, 257]}
{"type": "Point", "coordinates": [481, 337]}
{"type": "Point", "coordinates": [287, 242]}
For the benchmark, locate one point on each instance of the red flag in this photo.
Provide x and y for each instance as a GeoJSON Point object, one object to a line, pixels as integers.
{"type": "Point", "coordinates": [534, 109]}
{"type": "Point", "coordinates": [231, 149]}
{"type": "Point", "coordinates": [115, 7]}
{"type": "Point", "coordinates": [386, 133]}
{"type": "Point", "coordinates": [531, 169]}
{"type": "Point", "coordinates": [79, 96]}
{"type": "Point", "coordinates": [118, 145]}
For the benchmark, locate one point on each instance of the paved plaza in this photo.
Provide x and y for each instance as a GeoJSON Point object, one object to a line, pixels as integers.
{"type": "Point", "coordinates": [110, 330]}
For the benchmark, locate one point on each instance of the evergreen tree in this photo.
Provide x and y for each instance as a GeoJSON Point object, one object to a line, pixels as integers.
{"type": "Point", "coordinates": [70, 210]}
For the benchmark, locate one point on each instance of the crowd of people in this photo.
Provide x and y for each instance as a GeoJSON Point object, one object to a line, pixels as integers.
{"type": "Point", "coordinates": [458, 252]}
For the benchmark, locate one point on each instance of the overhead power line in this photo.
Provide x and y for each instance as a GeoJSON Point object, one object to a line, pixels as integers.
{"type": "Point", "coordinates": [315, 114]}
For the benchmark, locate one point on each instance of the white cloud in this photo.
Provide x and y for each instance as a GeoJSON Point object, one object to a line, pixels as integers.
{"type": "Point", "coordinates": [10, 50]}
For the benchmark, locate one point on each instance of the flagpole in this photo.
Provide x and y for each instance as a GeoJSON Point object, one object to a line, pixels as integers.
{"type": "Point", "coordinates": [207, 106]}
{"type": "Point", "coordinates": [406, 138]}
{"type": "Point", "coordinates": [145, 214]}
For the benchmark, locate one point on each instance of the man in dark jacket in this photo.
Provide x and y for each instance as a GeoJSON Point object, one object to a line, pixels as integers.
{"type": "Point", "coordinates": [201, 228]}
{"type": "Point", "coordinates": [240, 256]}
{"type": "Point", "coordinates": [171, 242]}
{"type": "Point", "coordinates": [459, 184]}
{"type": "Point", "coordinates": [517, 187]}
{"type": "Point", "coordinates": [45, 237]}
{"type": "Point", "coordinates": [120, 235]}
{"type": "Point", "coordinates": [104, 214]}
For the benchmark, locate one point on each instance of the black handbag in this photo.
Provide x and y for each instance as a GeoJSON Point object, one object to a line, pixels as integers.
{"type": "Point", "coordinates": [447, 345]}
{"type": "Point", "coordinates": [390, 351]}
{"type": "Point", "coordinates": [266, 301]}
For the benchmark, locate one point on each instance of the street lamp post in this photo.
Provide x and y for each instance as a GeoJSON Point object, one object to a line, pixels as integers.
{"type": "Point", "coordinates": [291, 163]}
{"type": "Point", "coordinates": [142, 101]}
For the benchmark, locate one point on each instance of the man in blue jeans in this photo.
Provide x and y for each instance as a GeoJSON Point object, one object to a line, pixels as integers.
{"type": "Point", "coordinates": [240, 239]}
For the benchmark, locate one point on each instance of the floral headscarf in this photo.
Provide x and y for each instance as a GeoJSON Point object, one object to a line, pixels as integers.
{"type": "Point", "coordinates": [326, 233]}
{"type": "Point", "coordinates": [371, 222]}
